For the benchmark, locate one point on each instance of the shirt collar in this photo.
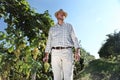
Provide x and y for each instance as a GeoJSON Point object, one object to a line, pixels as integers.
{"type": "Point", "coordinates": [60, 25]}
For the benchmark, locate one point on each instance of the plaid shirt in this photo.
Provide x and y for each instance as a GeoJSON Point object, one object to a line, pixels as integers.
{"type": "Point", "coordinates": [61, 36]}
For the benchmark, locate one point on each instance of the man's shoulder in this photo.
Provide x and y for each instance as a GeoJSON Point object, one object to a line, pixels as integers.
{"type": "Point", "coordinates": [52, 28]}
{"type": "Point", "coordinates": [68, 24]}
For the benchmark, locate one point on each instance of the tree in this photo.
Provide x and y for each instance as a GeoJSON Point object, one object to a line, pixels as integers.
{"type": "Point", "coordinates": [111, 47]}
{"type": "Point", "coordinates": [22, 45]}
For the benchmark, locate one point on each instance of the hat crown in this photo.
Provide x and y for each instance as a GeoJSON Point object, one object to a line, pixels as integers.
{"type": "Point", "coordinates": [61, 10]}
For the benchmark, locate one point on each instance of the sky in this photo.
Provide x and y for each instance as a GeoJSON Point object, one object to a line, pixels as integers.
{"type": "Point", "coordinates": [92, 20]}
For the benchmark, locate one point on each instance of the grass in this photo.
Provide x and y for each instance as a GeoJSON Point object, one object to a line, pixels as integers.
{"type": "Point", "coordinates": [100, 70]}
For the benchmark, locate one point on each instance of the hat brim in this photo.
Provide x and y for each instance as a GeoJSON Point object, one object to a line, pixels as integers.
{"type": "Point", "coordinates": [65, 14]}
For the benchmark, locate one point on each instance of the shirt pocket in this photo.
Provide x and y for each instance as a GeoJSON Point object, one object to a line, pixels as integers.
{"type": "Point", "coordinates": [55, 33]}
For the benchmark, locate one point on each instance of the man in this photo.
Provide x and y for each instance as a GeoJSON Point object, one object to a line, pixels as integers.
{"type": "Point", "coordinates": [61, 39]}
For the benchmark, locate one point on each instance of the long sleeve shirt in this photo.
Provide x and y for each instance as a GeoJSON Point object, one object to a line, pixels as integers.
{"type": "Point", "coordinates": [61, 36]}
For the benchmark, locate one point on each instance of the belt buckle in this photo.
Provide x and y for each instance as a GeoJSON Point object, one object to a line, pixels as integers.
{"type": "Point", "coordinates": [60, 47]}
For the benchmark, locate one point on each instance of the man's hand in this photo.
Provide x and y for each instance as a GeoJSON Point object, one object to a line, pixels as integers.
{"type": "Point", "coordinates": [45, 59]}
{"type": "Point", "coordinates": [77, 55]}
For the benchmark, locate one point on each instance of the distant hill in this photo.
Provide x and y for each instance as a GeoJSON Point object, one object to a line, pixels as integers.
{"type": "Point", "coordinates": [100, 70]}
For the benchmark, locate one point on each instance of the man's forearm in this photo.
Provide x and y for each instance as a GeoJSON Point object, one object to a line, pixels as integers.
{"type": "Point", "coordinates": [46, 54]}
{"type": "Point", "coordinates": [77, 50]}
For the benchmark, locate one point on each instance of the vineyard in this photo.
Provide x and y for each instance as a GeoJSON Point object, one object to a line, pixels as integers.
{"type": "Point", "coordinates": [23, 42]}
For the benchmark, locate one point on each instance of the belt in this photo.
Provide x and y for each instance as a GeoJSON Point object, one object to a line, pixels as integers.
{"type": "Point", "coordinates": [61, 47]}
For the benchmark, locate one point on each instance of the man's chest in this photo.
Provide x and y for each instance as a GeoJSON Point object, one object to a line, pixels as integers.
{"type": "Point", "coordinates": [60, 31]}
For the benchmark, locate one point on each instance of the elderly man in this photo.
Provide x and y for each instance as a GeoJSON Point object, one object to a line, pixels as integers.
{"type": "Point", "coordinates": [60, 42]}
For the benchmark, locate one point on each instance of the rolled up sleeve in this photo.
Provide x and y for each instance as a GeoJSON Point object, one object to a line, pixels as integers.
{"type": "Point", "coordinates": [48, 45]}
{"type": "Point", "coordinates": [74, 39]}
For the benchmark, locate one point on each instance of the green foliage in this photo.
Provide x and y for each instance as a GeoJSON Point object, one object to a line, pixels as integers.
{"type": "Point", "coordinates": [100, 69]}
{"type": "Point", "coordinates": [86, 56]}
{"type": "Point", "coordinates": [106, 68]}
{"type": "Point", "coordinates": [22, 45]}
{"type": "Point", "coordinates": [111, 47]}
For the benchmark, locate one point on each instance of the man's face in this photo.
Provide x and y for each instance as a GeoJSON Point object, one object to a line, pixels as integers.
{"type": "Point", "coordinates": [60, 16]}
